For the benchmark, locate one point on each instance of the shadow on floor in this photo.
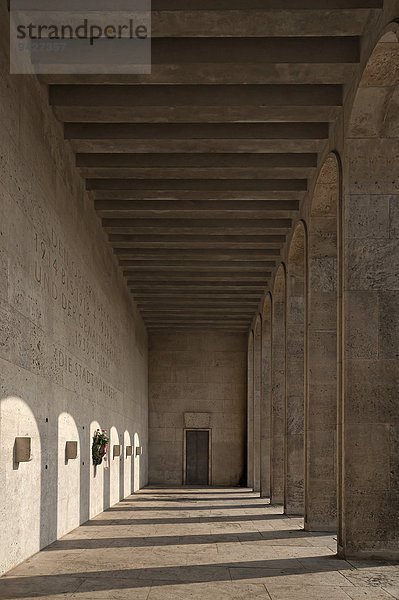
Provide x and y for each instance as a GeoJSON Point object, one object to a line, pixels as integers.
{"type": "Point", "coordinates": [181, 499]}
{"type": "Point", "coordinates": [197, 490]}
{"type": "Point", "coordinates": [176, 521]}
{"type": "Point", "coordinates": [185, 508]}
{"type": "Point", "coordinates": [114, 579]}
{"type": "Point", "coordinates": [222, 538]}
{"type": "Point", "coordinates": [85, 566]}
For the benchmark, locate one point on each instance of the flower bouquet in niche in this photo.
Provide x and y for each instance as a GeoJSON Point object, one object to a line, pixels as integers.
{"type": "Point", "coordinates": [99, 447]}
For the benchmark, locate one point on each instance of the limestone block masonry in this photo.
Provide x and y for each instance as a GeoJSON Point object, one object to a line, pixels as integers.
{"type": "Point", "coordinates": [200, 372]}
{"type": "Point", "coordinates": [73, 349]}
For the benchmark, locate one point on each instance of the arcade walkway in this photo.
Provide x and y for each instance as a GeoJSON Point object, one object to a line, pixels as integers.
{"type": "Point", "coordinates": [179, 544]}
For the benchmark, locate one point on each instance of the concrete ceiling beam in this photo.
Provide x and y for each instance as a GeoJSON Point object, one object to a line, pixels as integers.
{"type": "Point", "coordinates": [200, 131]}
{"type": "Point", "coordinates": [238, 227]}
{"type": "Point", "coordinates": [216, 243]}
{"type": "Point", "coordinates": [193, 327]}
{"type": "Point", "coordinates": [184, 265]}
{"type": "Point", "coordinates": [263, 50]}
{"type": "Point", "coordinates": [197, 161]}
{"type": "Point", "coordinates": [161, 276]}
{"type": "Point", "coordinates": [198, 297]}
{"type": "Point", "coordinates": [116, 206]}
{"type": "Point", "coordinates": [198, 173]}
{"type": "Point", "coordinates": [208, 185]}
{"type": "Point", "coordinates": [250, 5]}
{"type": "Point", "coordinates": [197, 226]}
{"type": "Point", "coordinates": [255, 286]}
{"type": "Point", "coordinates": [206, 254]}
{"type": "Point", "coordinates": [219, 73]}
{"type": "Point", "coordinates": [246, 310]}
{"type": "Point", "coordinates": [94, 96]}
{"type": "Point", "coordinates": [259, 112]}
{"type": "Point", "coordinates": [198, 146]}
{"type": "Point", "coordinates": [259, 21]}
{"type": "Point", "coordinates": [119, 224]}
{"type": "Point", "coordinates": [198, 195]}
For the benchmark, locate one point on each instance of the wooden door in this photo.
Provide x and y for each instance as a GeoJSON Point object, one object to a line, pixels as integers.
{"type": "Point", "coordinates": [197, 457]}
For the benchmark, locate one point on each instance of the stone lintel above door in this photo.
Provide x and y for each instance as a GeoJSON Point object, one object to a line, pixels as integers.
{"type": "Point", "coordinates": [197, 420]}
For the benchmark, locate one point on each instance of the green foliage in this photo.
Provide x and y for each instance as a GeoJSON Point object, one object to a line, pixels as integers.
{"type": "Point", "coordinates": [100, 441]}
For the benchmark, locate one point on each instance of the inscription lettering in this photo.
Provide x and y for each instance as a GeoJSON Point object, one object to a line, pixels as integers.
{"type": "Point", "coordinates": [60, 277]}
{"type": "Point", "coordinates": [92, 380]}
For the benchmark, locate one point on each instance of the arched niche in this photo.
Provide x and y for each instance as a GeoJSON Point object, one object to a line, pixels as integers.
{"type": "Point", "coordinates": [369, 407]}
{"type": "Point", "coordinates": [19, 420]}
{"type": "Point", "coordinates": [278, 387]}
{"type": "Point", "coordinates": [138, 474]}
{"type": "Point", "coordinates": [321, 400]}
{"type": "Point", "coordinates": [97, 479]}
{"type": "Point", "coordinates": [265, 399]}
{"type": "Point", "coordinates": [69, 497]}
{"type": "Point", "coordinates": [128, 479]}
{"type": "Point", "coordinates": [294, 441]}
{"type": "Point", "coordinates": [115, 461]}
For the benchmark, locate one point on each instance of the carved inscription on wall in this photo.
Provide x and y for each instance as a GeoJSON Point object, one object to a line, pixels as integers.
{"type": "Point", "coordinates": [63, 281]}
{"type": "Point", "coordinates": [72, 368]}
{"type": "Point", "coordinates": [74, 339]}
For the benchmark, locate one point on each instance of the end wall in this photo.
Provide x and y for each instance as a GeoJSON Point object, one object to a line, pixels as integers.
{"type": "Point", "coordinates": [201, 372]}
{"type": "Point", "coordinates": [73, 350]}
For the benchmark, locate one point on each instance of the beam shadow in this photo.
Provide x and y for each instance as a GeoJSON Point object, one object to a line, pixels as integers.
{"type": "Point", "coordinates": [184, 508]}
{"type": "Point", "coordinates": [182, 540]}
{"type": "Point", "coordinates": [193, 520]}
{"type": "Point", "coordinates": [137, 498]}
{"type": "Point", "coordinates": [16, 588]}
{"type": "Point", "coordinates": [195, 491]}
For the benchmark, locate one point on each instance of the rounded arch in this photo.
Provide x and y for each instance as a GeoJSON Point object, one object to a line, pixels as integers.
{"type": "Point", "coordinates": [250, 410]}
{"type": "Point", "coordinates": [257, 399]}
{"type": "Point", "coordinates": [128, 481]}
{"type": "Point", "coordinates": [22, 422]}
{"type": "Point", "coordinates": [321, 396]}
{"type": "Point", "coordinates": [278, 386]}
{"type": "Point", "coordinates": [137, 459]}
{"type": "Point", "coordinates": [115, 462]}
{"type": "Point", "coordinates": [370, 307]}
{"type": "Point", "coordinates": [294, 443]}
{"type": "Point", "coordinates": [369, 114]}
{"type": "Point", "coordinates": [68, 505]}
{"type": "Point", "coordinates": [98, 479]}
{"type": "Point", "coordinates": [265, 399]}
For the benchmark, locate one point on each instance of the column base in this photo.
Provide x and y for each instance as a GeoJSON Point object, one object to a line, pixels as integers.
{"type": "Point", "coordinates": [277, 500]}
{"type": "Point", "coordinates": [377, 554]}
{"type": "Point", "coordinates": [320, 527]}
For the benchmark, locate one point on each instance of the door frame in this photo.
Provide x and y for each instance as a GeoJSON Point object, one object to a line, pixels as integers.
{"type": "Point", "coordinates": [185, 452]}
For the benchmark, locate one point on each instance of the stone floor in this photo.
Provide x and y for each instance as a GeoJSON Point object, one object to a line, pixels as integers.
{"type": "Point", "coordinates": [205, 544]}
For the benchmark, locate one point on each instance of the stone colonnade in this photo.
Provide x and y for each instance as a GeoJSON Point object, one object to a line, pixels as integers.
{"type": "Point", "coordinates": [323, 435]}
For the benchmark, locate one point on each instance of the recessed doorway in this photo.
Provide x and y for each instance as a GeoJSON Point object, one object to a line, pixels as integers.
{"type": "Point", "coordinates": [197, 467]}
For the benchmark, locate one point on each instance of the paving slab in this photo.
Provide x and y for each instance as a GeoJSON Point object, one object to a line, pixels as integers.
{"type": "Point", "coordinates": [173, 544]}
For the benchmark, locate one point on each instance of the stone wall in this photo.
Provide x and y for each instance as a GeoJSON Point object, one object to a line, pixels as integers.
{"type": "Point", "coordinates": [369, 525]}
{"type": "Point", "coordinates": [197, 373]}
{"type": "Point", "coordinates": [73, 350]}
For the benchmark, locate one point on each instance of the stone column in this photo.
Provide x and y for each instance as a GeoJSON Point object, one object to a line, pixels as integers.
{"type": "Point", "coordinates": [265, 412]}
{"type": "Point", "coordinates": [278, 389]}
{"type": "Point", "coordinates": [321, 406]}
{"type": "Point", "coordinates": [294, 468]}
{"type": "Point", "coordinates": [369, 523]}
{"type": "Point", "coordinates": [250, 412]}
{"type": "Point", "coordinates": [257, 395]}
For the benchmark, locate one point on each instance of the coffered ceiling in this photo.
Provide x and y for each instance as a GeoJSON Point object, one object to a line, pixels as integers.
{"type": "Point", "coordinates": [197, 171]}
